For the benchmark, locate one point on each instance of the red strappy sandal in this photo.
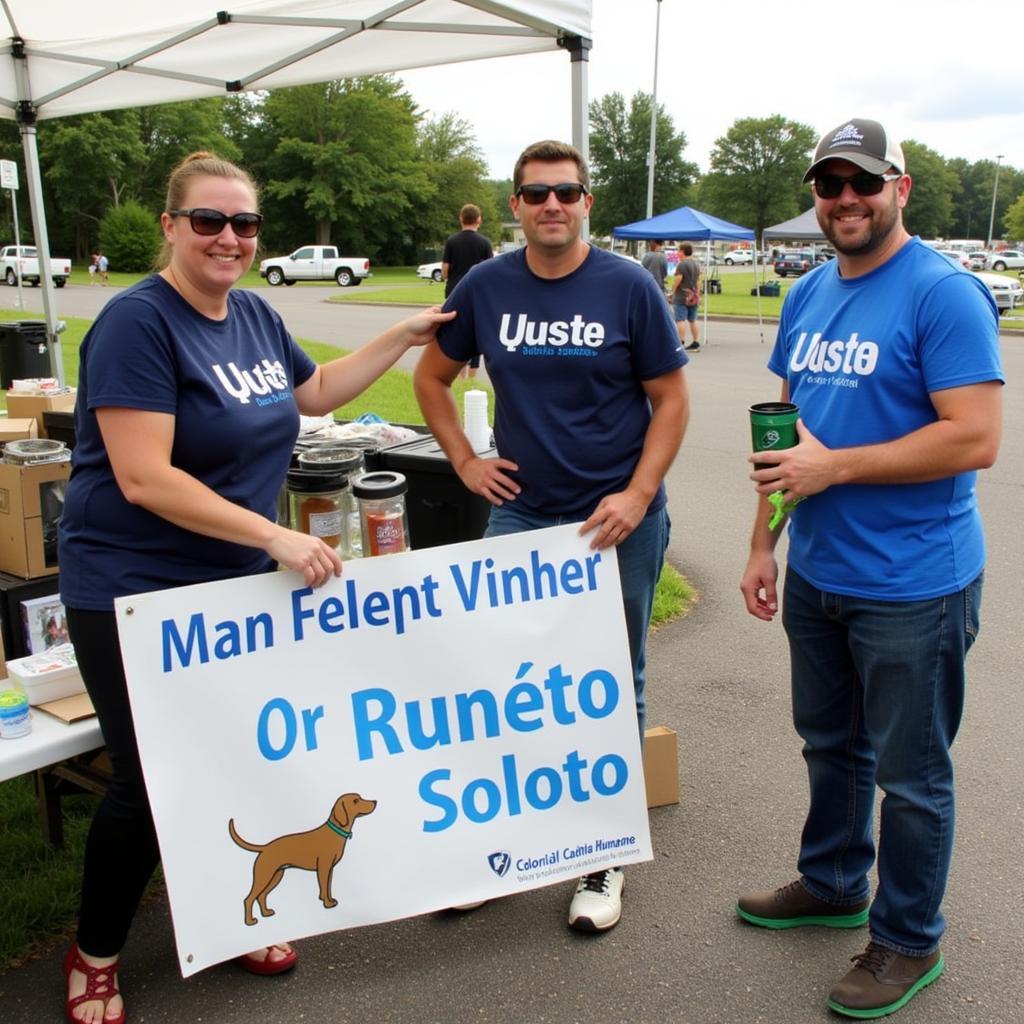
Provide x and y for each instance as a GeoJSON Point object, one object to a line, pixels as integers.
{"type": "Point", "coordinates": [266, 966]}
{"type": "Point", "coordinates": [100, 985]}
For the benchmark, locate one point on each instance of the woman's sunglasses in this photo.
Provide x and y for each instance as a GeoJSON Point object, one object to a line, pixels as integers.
{"type": "Point", "coordinates": [567, 192]}
{"type": "Point", "coordinates": [211, 222]}
{"type": "Point", "coordinates": [830, 186]}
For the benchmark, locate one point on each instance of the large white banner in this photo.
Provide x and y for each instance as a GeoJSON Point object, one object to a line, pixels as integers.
{"type": "Point", "coordinates": [432, 728]}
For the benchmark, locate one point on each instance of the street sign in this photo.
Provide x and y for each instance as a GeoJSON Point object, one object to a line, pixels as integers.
{"type": "Point", "coordinates": [8, 174]}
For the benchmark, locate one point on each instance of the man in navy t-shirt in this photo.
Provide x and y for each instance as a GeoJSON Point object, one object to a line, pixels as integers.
{"type": "Point", "coordinates": [590, 410]}
{"type": "Point", "coordinates": [892, 355]}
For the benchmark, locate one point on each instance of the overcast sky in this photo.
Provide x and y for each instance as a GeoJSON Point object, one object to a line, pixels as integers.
{"type": "Point", "coordinates": [939, 71]}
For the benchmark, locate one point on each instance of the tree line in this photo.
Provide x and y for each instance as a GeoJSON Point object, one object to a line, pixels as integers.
{"type": "Point", "coordinates": [357, 163]}
{"type": "Point", "coordinates": [351, 162]}
{"type": "Point", "coordinates": [755, 170]}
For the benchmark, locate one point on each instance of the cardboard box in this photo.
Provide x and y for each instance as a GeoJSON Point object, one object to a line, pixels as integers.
{"type": "Point", "coordinates": [72, 709]}
{"type": "Point", "coordinates": [661, 766]}
{"type": "Point", "coordinates": [32, 406]}
{"type": "Point", "coordinates": [17, 430]}
{"type": "Point", "coordinates": [44, 623]}
{"type": "Point", "coordinates": [31, 503]}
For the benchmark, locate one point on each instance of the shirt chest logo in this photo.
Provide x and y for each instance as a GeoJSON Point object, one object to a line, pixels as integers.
{"type": "Point", "coordinates": [850, 356]}
{"type": "Point", "coordinates": [519, 329]}
{"type": "Point", "coordinates": [265, 378]}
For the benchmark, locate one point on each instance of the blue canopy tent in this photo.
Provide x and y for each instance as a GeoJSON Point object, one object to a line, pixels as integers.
{"type": "Point", "coordinates": [684, 224]}
{"type": "Point", "coordinates": [688, 224]}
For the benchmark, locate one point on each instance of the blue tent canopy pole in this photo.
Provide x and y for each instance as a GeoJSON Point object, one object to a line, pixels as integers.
{"type": "Point", "coordinates": [688, 224]}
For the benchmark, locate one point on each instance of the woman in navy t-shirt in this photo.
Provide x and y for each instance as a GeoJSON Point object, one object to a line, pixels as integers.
{"type": "Point", "coordinates": [188, 408]}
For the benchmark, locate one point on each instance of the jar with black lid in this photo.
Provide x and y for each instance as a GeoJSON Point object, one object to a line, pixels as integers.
{"type": "Point", "coordinates": [382, 516]}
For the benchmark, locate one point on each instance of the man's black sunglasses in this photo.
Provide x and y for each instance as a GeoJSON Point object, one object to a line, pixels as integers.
{"type": "Point", "coordinates": [211, 222]}
{"type": "Point", "coordinates": [567, 192]}
{"type": "Point", "coordinates": [830, 186]}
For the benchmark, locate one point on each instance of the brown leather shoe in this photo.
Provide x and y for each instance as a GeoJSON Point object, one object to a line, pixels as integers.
{"type": "Point", "coordinates": [882, 981]}
{"type": "Point", "coordinates": [792, 906]}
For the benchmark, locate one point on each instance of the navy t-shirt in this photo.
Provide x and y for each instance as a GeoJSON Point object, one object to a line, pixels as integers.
{"type": "Point", "coordinates": [567, 358]}
{"type": "Point", "coordinates": [228, 385]}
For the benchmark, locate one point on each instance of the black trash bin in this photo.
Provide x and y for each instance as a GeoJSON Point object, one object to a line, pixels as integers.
{"type": "Point", "coordinates": [441, 510]}
{"type": "Point", "coordinates": [23, 351]}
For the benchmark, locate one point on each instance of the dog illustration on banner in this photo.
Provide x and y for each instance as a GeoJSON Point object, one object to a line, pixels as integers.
{"type": "Point", "coordinates": [317, 850]}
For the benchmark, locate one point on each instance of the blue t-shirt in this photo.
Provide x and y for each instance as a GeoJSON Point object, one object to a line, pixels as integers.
{"type": "Point", "coordinates": [567, 358]}
{"type": "Point", "coordinates": [862, 356]}
{"type": "Point", "coordinates": [228, 385]}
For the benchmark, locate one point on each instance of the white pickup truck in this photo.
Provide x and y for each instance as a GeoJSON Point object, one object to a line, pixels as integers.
{"type": "Point", "coordinates": [315, 263]}
{"type": "Point", "coordinates": [23, 261]}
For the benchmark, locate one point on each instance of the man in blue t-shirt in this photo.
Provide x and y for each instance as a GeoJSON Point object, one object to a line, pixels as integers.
{"type": "Point", "coordinates": [590, 410]}
{"type": "Point", "coordinates": [891, 354]}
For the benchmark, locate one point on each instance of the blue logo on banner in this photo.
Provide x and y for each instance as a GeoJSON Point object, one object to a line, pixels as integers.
{"type": "Point", "coordinates": [500, 862]}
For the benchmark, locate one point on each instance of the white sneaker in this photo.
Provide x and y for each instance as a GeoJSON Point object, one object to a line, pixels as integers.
{"type": "Point", "coordinates": [467, 906]}
{"type": "Point", "coordinates": [597, 903]}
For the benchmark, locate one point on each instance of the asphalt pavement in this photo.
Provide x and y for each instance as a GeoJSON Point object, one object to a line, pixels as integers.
{"type": "Point", "coordinates": [720, 679]}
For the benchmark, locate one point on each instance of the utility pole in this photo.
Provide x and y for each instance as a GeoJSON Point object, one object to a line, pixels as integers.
{"type": "Point", "coordinates": [992, 215]}
{"type": "Point", "coordinates": [654, 120]}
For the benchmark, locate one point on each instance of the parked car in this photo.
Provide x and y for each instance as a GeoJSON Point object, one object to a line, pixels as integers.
{"type": "Point", "coordinates": [738, 256]}
{"type": "Point", "coordinates": [430, 271]}
{"type": "Point", "coordinates": [23, 261]}
{"type": "Point", "coordinates": [977, 260]}
{"type": "Point", "coordinates": [1008, 259]}
{"type": "Point", "coordinates": [958, 257]}
{"type": "Point", "coordinates": [626, 256]}
{"type": "Point", "coordinates": [795, 263]}
{"type": "Point", "coordinates": [1007, 291]}
{"type": "Point", "coordinates": [315, 263]}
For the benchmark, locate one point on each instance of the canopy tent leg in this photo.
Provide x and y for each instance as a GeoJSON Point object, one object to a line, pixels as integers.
{"type": "Point", "coordinates": [35, 198]}
{"type": "Point", "coordinates": [707, 293]}
{"type": "Point", "coordinates": [757, 292]}
{"type": "Point", "coordinates": [579, 57]}
{"type": "Point", "coordinates": [26, 116]}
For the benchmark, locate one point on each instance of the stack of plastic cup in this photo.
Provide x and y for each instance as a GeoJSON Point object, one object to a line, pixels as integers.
{"type": "Point", "coordinates": [474, 420]}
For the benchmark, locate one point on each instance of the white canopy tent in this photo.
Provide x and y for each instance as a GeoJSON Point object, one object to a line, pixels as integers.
{"type": "Point", "coordinates": [61, 57]}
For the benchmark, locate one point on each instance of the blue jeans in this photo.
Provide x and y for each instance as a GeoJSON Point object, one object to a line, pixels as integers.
{"type": "Point", "coordinates": [878, 693]}
{"type": "Point", "coordinates": [641, 556]}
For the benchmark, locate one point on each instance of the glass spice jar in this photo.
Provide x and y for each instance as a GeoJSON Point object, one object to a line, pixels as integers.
{"type": "Point", "coordinates": [318, 504]}
{"type": "Point", "coordinates": [382, 515]}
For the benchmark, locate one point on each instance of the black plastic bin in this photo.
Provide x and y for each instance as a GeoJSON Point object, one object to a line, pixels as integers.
{"type": "Point", "coordinates": [23, 352]}
{"type": "Point", "coordinates": [60, 426]}
{"type": "Point", "coordinates": [441, 510]}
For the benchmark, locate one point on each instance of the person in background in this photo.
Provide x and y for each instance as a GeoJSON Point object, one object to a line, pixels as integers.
{"type": "Point", "coordinates": [685, 296]}
{"type": "Point", "coordinates": [892, 355]}
{"type": "Point", "coordinates": [175, 480]}
{"type": "Point", "coordinates": [102, 266]}
{"type": "Point", "coordinates": [94, 262]}
{"type": "Point", "coordinates": [579, 439]}
{"type": "Point", "coordinates": [463, 251]}
{"type": "Point", "coordinates": [655, 263]}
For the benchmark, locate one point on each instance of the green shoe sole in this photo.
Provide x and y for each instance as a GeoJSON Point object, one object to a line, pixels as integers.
{"type": "Point", "coordinates": [823, 920]}
{"type": "Point", "coordinates": [883, 1011]}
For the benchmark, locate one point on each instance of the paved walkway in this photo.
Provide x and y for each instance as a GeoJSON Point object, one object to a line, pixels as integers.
{"type": "Point", "coordinates": [679, 956]}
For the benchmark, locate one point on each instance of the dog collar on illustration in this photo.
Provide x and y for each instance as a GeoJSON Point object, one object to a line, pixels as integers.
{"type": "Point", "coordinates": [337, 828]}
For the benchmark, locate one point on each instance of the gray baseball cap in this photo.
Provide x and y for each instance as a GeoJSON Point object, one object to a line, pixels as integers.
{"type": "Point", "coordinates": [864, 143]}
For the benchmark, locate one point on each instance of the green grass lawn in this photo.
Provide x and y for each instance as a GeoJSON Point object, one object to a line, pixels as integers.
{"type": "Point", "coordinates": [403, 287]}
{"type": "Point", "coordinates": [38, 885]}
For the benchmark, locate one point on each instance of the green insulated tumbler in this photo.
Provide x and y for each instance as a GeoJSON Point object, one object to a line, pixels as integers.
{"type": "Point", "coordinates": [773, 427]}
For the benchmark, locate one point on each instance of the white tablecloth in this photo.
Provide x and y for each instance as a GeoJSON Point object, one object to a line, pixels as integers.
{"type": "Point", "coordinates": [51, 740]}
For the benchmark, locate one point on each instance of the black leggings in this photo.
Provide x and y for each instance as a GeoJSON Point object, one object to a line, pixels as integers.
{"type": "Point", "coordinates": [121, 852]}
